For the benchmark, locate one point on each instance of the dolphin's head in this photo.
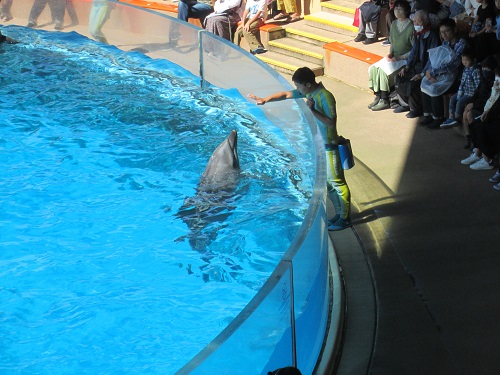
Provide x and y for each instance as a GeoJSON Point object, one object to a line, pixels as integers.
{"type": "Point", "coordinates": [223, 161]}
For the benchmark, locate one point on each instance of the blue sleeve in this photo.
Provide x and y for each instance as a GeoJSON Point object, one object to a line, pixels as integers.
{"type": "Point", "coordinates": [296, 94]}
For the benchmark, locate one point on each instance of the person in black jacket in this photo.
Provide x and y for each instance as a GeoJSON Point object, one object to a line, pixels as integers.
{"type": "Point", "coordinates": [408, 79]}
{"type": "Point", "coordinates": [369, 14]}
{"type": "Point", "coordinates": [483, 92]}
{"type": "Point", "coordinates": [485, 132]}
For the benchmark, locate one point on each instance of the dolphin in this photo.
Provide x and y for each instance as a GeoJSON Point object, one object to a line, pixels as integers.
{"type": "Point", "coordinates": [215, 198]}
{"type": "Point", "coordinates": [223, 167]}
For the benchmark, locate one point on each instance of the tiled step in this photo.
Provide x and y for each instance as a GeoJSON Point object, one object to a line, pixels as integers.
{"type": "Point", "coordinates": [332, 22]}
{"type": "Point", "coordinates": [311, 35]}
{"type": "Point", "coordinates": [298, 49]}
{"type": "Point", "coordinates": [288, 64]}
{"type": "Point", "coordinates": [341, 7]}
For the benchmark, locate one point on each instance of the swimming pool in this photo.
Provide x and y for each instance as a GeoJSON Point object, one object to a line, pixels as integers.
{"type": "Point", "coordinates": [99, 150]}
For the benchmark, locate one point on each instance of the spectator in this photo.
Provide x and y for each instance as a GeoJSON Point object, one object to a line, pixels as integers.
{"type": "Point", "coordinates": [369, 14]}
{"type": "Point", "coordinates": [389, 18]}
{"type": "Point", "coordinates": [485, 15]}
{"type": "Point", "coordinates": [476, 108]}
{"type": "Point", "coordinates": [253, 17]}
{"type": "Point", "coordinates": [486, 133]}
{"type": "Point", "coordinates": [383, 72]}
{"type": "Point", "coordinates": [289, 11]}
{"type": "Point", "coordinates": [436, 10]}
{"type": "Point", "coordinates": [193, 9]}
{"type": "Point", "coordinates": [5, 14]}
{"type": "Point", "coordinates": [408, 79]}
{"type": "Point", "coordinates": [57, 9]}
{"type": "Point", "coordinates": [469, 83]}
{"type": "Point", "coordinates": [187, 9]}
{"type": "Point", "coordinates": [487, 40]}
{"type": "Point", "coordinates": [440, 74]}
{"type": "Point", "coordinates": [226, 15]}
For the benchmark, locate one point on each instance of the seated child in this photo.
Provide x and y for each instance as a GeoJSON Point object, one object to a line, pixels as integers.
{"type": "Point", "coordinates": [253, 17]}
{"type": "Point", "coordinates": [469, 83]}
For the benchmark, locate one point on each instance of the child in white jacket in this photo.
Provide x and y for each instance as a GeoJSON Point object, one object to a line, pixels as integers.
{"type": "Point", "coordinates": [253, 18]}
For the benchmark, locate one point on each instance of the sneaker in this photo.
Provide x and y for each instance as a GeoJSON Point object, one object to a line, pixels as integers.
{"type": "Point", "coordinates": [449, 123]}
{"type": "Point", "coordinates": [333, 219]}
{"type": "Point", "coordinates": [259, 50]}
{"type": "Point", "coordinates": [360, 38]}
{"type": "Point", "coordinates": [471, 159]}
{"type": "Point", "coordinates": [382, 104]}
{"type": "Point", "coordinates": [481, 165]}
{"type": "Point", "coordinates": [496, 186]}
{"type": "Point", "coordinates": [340, 224]}
{"type": "Point", "coordinates": [31, 24]}
{"type": "Point", "coordinates": [496, 177]}
{"type": "Point", "coordinates": [386, 43]}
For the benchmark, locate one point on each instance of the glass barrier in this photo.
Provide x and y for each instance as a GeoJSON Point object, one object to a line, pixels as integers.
{"type": "Point", "coordinates": [260, 332]}
{"type": "Point", "coordinates": [286, 322]}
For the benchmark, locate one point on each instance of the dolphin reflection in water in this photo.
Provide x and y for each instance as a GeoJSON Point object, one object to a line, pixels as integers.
{"type": "Point", "coordinates": [206, 212]}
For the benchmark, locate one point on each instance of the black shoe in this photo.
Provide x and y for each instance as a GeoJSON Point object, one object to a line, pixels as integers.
{"type": "Point", "coordinates": [360, 38]}
{"type": "Point", "coordinates": [401, 109]}
{"type": "Point", "coordinates": [426, 121]}
{"type": "Point", "coordinates": [370, 41]}
{"type": "Point", "coordinates": [435, 124]}
{"type": "Point", "coordinates": [413, 114]}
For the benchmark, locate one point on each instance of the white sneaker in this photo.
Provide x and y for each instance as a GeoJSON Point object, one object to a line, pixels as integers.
{"type": "Point", "coordinates": [471, 159]}
{"type": "Point", "coordinates": [495, 178]}
{"type": "Point", "coordinates": [481, 165]}
{"type": "Point", "coordinates": [496, 186]}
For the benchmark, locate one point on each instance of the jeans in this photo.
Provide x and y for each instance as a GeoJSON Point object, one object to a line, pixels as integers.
{"type": "Point", "coordinates": [457, 105]}
{"type": "Point", "coordinates": [193, 9]}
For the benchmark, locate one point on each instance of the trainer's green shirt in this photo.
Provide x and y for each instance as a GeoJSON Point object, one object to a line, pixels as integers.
{"type": "Point", "coordinates": [324, 102]}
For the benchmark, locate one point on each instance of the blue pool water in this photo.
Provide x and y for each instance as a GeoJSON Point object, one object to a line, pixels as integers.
{"type": "Point", "coordinates": [99, 150]}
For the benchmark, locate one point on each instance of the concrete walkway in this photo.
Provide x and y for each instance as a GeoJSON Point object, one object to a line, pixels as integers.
{"type": "Point", "coordinates": [430, 230]}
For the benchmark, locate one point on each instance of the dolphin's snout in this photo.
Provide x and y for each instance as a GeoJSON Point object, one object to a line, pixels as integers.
{"type": "Point", "coordinates": [233, 140]}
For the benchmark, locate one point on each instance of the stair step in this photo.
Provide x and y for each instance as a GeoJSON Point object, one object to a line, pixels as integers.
{"type": "Point", "coordinates": [298, 49]}
{"type": "Point", "coordinates": [346, 8]}
{"type": "Point", "coordinates": [313, 35]}
{"type": "Point", "coordinates": [333, 22]}
{"type": "Point", "coordinates": [288, 64]}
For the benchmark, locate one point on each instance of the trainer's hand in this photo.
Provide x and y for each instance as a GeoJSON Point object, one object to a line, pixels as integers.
{"type": "Point", "coordinates": [258, 100]}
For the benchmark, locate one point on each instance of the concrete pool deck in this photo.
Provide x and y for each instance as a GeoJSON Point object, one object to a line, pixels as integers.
{"type": "Point", "coordinates": [426, 230]}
